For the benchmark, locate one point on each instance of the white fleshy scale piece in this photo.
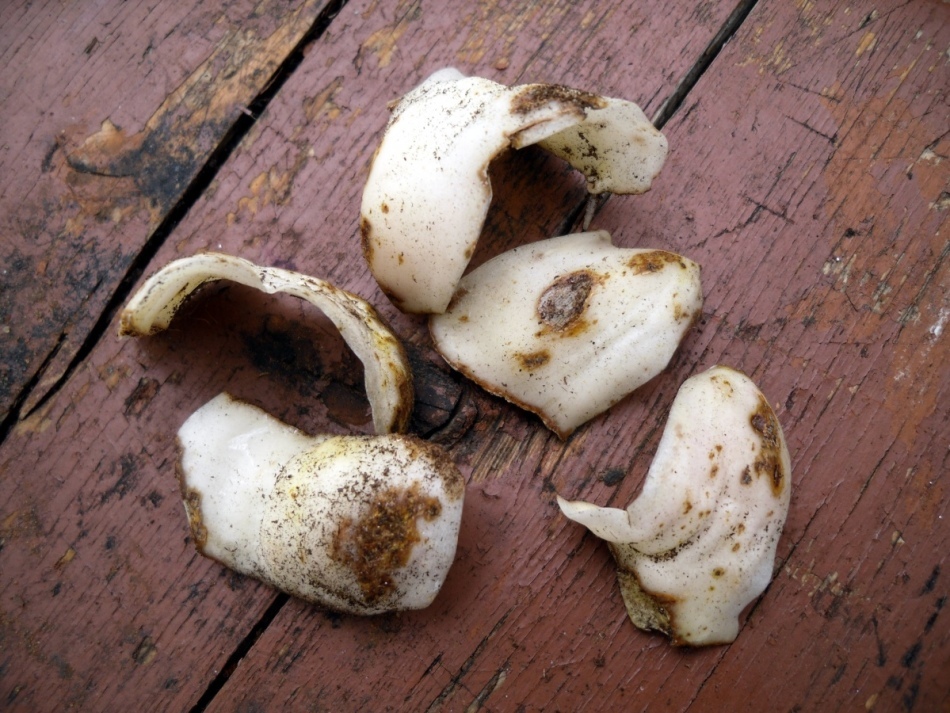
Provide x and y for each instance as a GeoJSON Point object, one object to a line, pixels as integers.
{"type": "Point", "coordinates": [698, 544]}
{"type": "Point", "coordinates": [568, 326]}
{"type": "Point", "coordinates": [428, 189]}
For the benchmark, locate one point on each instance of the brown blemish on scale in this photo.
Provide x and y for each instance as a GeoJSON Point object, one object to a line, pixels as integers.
{"type": "Point", "coordinates": [681, 314]}
{"type": "Point", "coordinates": [533, 360]}
{"type": "Point", "coordinates": [648, 610]}
{"type": "Point", "coordinates": [769, 461]}
{"type": "Point", "coordinates": [441, 462]}
{"type": "Point", "coordinates": [654, 261]}
{"type": "Point", "coordinates": [384, 207]}
{"type": "Point", "coordinates": [535, 96]}
{"type": "Point", "coordinates": [407, 395]}
{"type": "Point", "coordinates": [562, 304]}
{"type": "Point", "coordinates": [718, 572]}
{"type": "Point", "coordinates": [199, 533]}
{"type": "Point", "coordinates": [366, 233]}
{"type": "Point", "coordinates": [192, 501]}
{"type": "Point", "coordinates": [687, 506]}
{"type": "Point", "coordinates": [457, 297]}
{"type": "Point", "coordinates": [380, 542]}
{"type": "Point", "coordinates": [746, 477]}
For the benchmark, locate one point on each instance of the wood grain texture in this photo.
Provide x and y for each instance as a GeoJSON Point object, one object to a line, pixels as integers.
{"type": "Point", "coordinates": [89, 544]}
{"type": "Point", "coordinates": [808, 174]}
{"type": "Point", "coordinates": [109, 110]}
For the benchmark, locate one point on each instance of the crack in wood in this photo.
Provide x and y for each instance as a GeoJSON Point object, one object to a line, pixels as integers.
{"type": "Point", "coordinates": [466, 666]}
{"type": "Point", "coordinates": [246, 644]}
{"type": "Point", "coordinates": [33, 396]}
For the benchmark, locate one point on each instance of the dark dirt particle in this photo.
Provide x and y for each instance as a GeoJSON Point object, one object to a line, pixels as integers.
{"type": "Point", "coordinates": [535, 96]}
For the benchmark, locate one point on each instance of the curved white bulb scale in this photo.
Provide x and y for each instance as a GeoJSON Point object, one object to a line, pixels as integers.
{"type": "Point", "coordinates": [387, 375]}
{"type": "Point", "coordinates": [358, 524]}
{"type": "Point", "coordinates": [568, 326]}
{"type": "Point", "coordinates": [428, 190]}
{"type": "Point", "coordinates": [699, 542]}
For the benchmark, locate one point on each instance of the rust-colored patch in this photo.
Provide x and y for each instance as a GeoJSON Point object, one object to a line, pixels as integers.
{"type": "Point", "coordinates": [687, 506]}
{"type": "Point", "coordinates": [769, 462]}
{"type": "Point", "coordinates": [654, 261]}
{"type": "Point", "coordinates": [562, 304]}
{"type": "Point", "coordinates": [535, 96]}
{"type": "Point", "coordinates": [366, 232]}
{"type": "Point", "coordinates": [381, 540]}
{"type": "Point", "coordinates": [192, 500]}
{"type": "Point", "coordinates": [533, 360]}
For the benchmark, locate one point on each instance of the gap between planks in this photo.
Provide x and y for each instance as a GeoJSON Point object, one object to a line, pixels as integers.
{"type": "Point", "coordinates": [189, 197]}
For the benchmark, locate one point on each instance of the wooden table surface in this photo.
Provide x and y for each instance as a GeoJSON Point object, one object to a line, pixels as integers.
{"type": "Point", "coordinates": [809, 175]}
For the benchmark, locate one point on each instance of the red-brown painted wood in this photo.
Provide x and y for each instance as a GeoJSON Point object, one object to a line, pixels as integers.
{"type": "Point", "coordinates": [808, 175]}
{"type": "Point", "coordinates": [104, 603]}
{"type": "Point", "coordinates": [762, 192]}
{"type": "Point", "coordinates": [109, 110]}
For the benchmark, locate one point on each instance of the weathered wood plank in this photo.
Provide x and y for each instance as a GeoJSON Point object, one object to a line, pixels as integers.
{"type": "Point", "coordinates": [85, 609]}
{"type": "Point", "coordinates": [103, 600]}
{"type": "Point", "coordinates": [779, 167]}
{"type": "Point", "coordinates": [88, 543]}
{"type": "Point", "coordinates": [108, 112]}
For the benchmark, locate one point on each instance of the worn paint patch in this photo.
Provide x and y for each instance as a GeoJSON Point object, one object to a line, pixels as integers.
{"type": "Point", "coordinates": [322, 106]}
{"type": "Point", "coordinates": [272, 187]}
{"type": "Point", "coordinates": [383, 43]}
{"type": "Point", "coordinates": [866, 45]}
{"type": "Point", "coordinates": [162, 158]}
